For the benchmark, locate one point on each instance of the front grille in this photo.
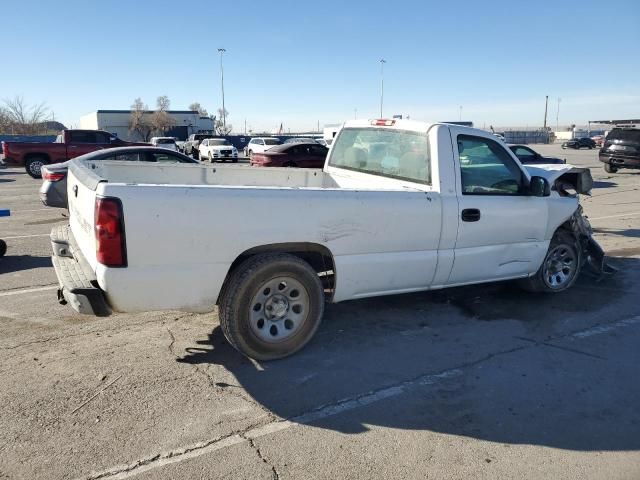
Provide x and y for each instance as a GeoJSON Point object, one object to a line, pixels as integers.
{"type": "Point", "coordinates": [225, 152]}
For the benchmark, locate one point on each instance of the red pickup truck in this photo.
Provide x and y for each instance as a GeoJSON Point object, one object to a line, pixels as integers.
{"type": "Point", "coordinates": [69, 144]}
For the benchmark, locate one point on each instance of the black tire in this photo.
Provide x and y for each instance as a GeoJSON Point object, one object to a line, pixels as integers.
{"type": "Point", "coordinates": [33, 166]}
{"type": "Point", "coordinates": [246, 282]}
{"type": "Point", "coordinates": [195, 154]}
{"type": "Point", "coordinates": [3, 248]}
{"type": "Point", "coordinates": [540, 282]}
{"type": "Point", "coordinates": [250, 154]}
{"type": "Point", "coordinates": [610, 168]}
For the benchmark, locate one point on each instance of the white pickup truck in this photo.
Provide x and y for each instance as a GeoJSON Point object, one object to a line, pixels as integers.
{"type": "Point", "coordinates": [400, 206]}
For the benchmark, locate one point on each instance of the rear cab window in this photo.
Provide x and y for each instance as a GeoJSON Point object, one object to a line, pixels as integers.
{"type": "Point", "coordinates": [392, 153]}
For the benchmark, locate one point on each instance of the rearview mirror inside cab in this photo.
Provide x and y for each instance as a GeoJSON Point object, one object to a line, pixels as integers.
{"type": "Point", "coordinates": [539, 187]}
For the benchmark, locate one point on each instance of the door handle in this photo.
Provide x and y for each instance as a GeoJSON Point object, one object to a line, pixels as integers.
{"type": "Point", "coordinates": [470, 215]}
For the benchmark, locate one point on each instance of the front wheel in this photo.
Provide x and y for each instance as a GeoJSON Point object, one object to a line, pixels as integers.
{"type": "Point", "coordinates": [271, 306]}
{"type": "Point", "coordinates": [33, 166]}
{"type": "Point", "coordinates": [3, 248]}
{"type": "Point", "coordinates": [560, 268]}
{"type": "Point", "coordinates": [210, 158]}
{"type": "Point", "coordinates": [610, 168]}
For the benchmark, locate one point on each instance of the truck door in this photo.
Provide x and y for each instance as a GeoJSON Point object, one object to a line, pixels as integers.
{"type": "Point", "coordinates": [501, 228]}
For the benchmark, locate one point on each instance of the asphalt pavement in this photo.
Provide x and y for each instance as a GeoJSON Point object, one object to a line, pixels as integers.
{"type": "Point", "coordinates": [475, 382]}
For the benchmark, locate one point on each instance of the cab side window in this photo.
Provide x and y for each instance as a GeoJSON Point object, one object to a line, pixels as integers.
{"type": "Point", "coordinates": [486, 168]}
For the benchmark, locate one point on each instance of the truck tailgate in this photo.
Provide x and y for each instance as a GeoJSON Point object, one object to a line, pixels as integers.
{"type": "Point", "coordinates": [81, 194]}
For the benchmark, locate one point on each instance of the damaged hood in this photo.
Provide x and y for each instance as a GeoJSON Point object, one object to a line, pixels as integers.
{"type": "Point", "coordinates": [549, 171]}
{"type": "Point", "coordinates": [578, 177]}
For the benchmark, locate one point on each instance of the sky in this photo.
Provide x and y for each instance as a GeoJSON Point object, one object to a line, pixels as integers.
{"type": "Point", "coordinates": [303, 64]}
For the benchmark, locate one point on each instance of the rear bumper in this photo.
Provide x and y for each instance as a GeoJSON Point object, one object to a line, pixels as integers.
{"type": "Point", "coordinates": [620, 161]}
{"type": "Point", "coordinates": [78, 285]}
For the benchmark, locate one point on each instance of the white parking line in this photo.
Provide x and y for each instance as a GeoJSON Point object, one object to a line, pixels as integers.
{"type": "Point", "coordinates": [27, 290]}
{"type": "Point", "coordinates": [607, 328]}
{"type": "Point", "coordinates": [616, 216]}
{"type": "Point", "coordinates": [193, 451]}
{"type": "Point", "coordinates": [28, 236]}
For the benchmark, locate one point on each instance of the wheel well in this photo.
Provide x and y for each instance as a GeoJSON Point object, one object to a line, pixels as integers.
{"type": "Point", "coordinates": [44, 157]}
{"type": "Point", "coordinates": [318, 256]}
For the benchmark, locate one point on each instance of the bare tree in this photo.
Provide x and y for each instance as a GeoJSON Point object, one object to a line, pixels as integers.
{"type": "Point", "coordinates": [138, 121]}
{"type": "Point", "coordinates": [22, 118]}
{"type": "Point", "coordinates": [219, 125]}
{"type": "Point", "coordinates": [196, 107]}
{"type": "Point", "coordinates": [161, 120]}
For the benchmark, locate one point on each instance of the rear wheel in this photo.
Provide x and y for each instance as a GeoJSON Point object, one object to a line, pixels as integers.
{"type": "Point", "coordinates": [560, 268]}
{"type": "Point", "coordinates": [33, 166]}
{"type": "Point", "coordinates": [271, 306]}
{"type": "Point", "coordinates": [610, 168]}
{"type": "Point", "coordinates": [3, 248]}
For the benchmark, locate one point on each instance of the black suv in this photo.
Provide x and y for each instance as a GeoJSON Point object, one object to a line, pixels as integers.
{"type": "Point", "coordinates": [621, 149]}
{"type": "Point", "coordinates": [578, 143]}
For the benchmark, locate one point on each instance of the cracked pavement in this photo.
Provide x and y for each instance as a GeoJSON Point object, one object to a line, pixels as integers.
{"type": "Point", "coordinates": [475, 382]}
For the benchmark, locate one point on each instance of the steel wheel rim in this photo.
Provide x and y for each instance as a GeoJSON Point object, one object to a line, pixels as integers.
{"type": "Point", "coordinates": [279, 309]}
{"type": "Point", "coordinates": [560, 266]}
{"type": "Point", "coordinates": [36, 168]}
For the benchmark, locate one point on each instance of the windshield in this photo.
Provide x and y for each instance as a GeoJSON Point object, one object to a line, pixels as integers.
{"type": "Point", "coordinates": [399, 154]}
{"type": "Point", "coordinates": [165, 141]}
{"type": "Point", "coordinates": [271, 141]}
{"type": "Point", "coordinates": [219, 141]}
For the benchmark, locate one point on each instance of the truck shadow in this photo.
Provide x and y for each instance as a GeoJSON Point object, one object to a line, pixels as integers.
{"type": "Point", "coordinates": [17, 263]}
{"type": "Point", "coordinates": [468, 361]}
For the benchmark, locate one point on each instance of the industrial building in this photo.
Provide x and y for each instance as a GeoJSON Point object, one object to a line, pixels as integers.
{"type": "Point", "coordinates": [116, 122]}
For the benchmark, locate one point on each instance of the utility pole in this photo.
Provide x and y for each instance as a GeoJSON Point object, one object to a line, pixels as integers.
{"type": "Point", "coordinates": [224, 112]}
{"type": "Point", "coordinates": [546, 105]}
{"type": "Point", "coordinates": [460, 119]}
{"type": "Point", "coordinates": [558, 115]}
{"type": "Point", "coordinates": [245, 126]}
{"type": "Point", "coordinates": [382, 62]}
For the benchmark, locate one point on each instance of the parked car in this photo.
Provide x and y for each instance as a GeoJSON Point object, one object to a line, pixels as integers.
{"type": "Point", "coordinates": [598, 140]}
{"type": "Point", "coordinates": [621, 149]}
{"type": "Point", "coordinates": [68, 144]}
{"type": "Point", "coordinates": [395, 210]}
{"type": "Point", "coordinates": [214, 149]}
{"type": "Point", "coordinates": [529, 156]}
{"type": "Point", "coordinates": [192, 143]}
{"type": "Point", "coordinates": [260, 144]}
{"type": "Point", "coordinates": [180, 145]}
{"type": "Point", "coordinates": [579, 143]}
{"type": "Point", "coordinates": [165, 142]}
{"type": "Point", "coordinates": [53, 192]}
{"type": "Point", "coordinates": [304, 155]}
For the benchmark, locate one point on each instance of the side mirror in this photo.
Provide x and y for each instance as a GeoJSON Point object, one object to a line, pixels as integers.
{"type": "Point", "coordinates": [539, 187]}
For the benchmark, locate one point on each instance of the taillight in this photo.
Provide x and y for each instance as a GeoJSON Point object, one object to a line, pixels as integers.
{"type": "Point", "coordinates": [111, 249]}
{"type": "Point", "coordinates": [381, 122]}
{"type": "Point", "coordinates": [51, 176]}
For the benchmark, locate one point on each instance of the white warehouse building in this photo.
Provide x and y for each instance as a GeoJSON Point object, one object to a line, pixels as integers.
{"type": "Point", "coordinates": [116, 122]}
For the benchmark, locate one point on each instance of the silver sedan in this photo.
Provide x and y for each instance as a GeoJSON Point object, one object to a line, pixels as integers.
{"type": "Point", "coordinates": [53, 191]}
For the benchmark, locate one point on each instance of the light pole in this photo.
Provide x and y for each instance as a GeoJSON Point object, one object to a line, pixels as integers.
{"type": "Point", "coordinates": [558, 115]}
{"type": "Point", "coordinates": [382, 62]}
{"type": "Point", "coordinates": [224, 112]}
{"type": "Point", "coordinates": [460, 118]}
